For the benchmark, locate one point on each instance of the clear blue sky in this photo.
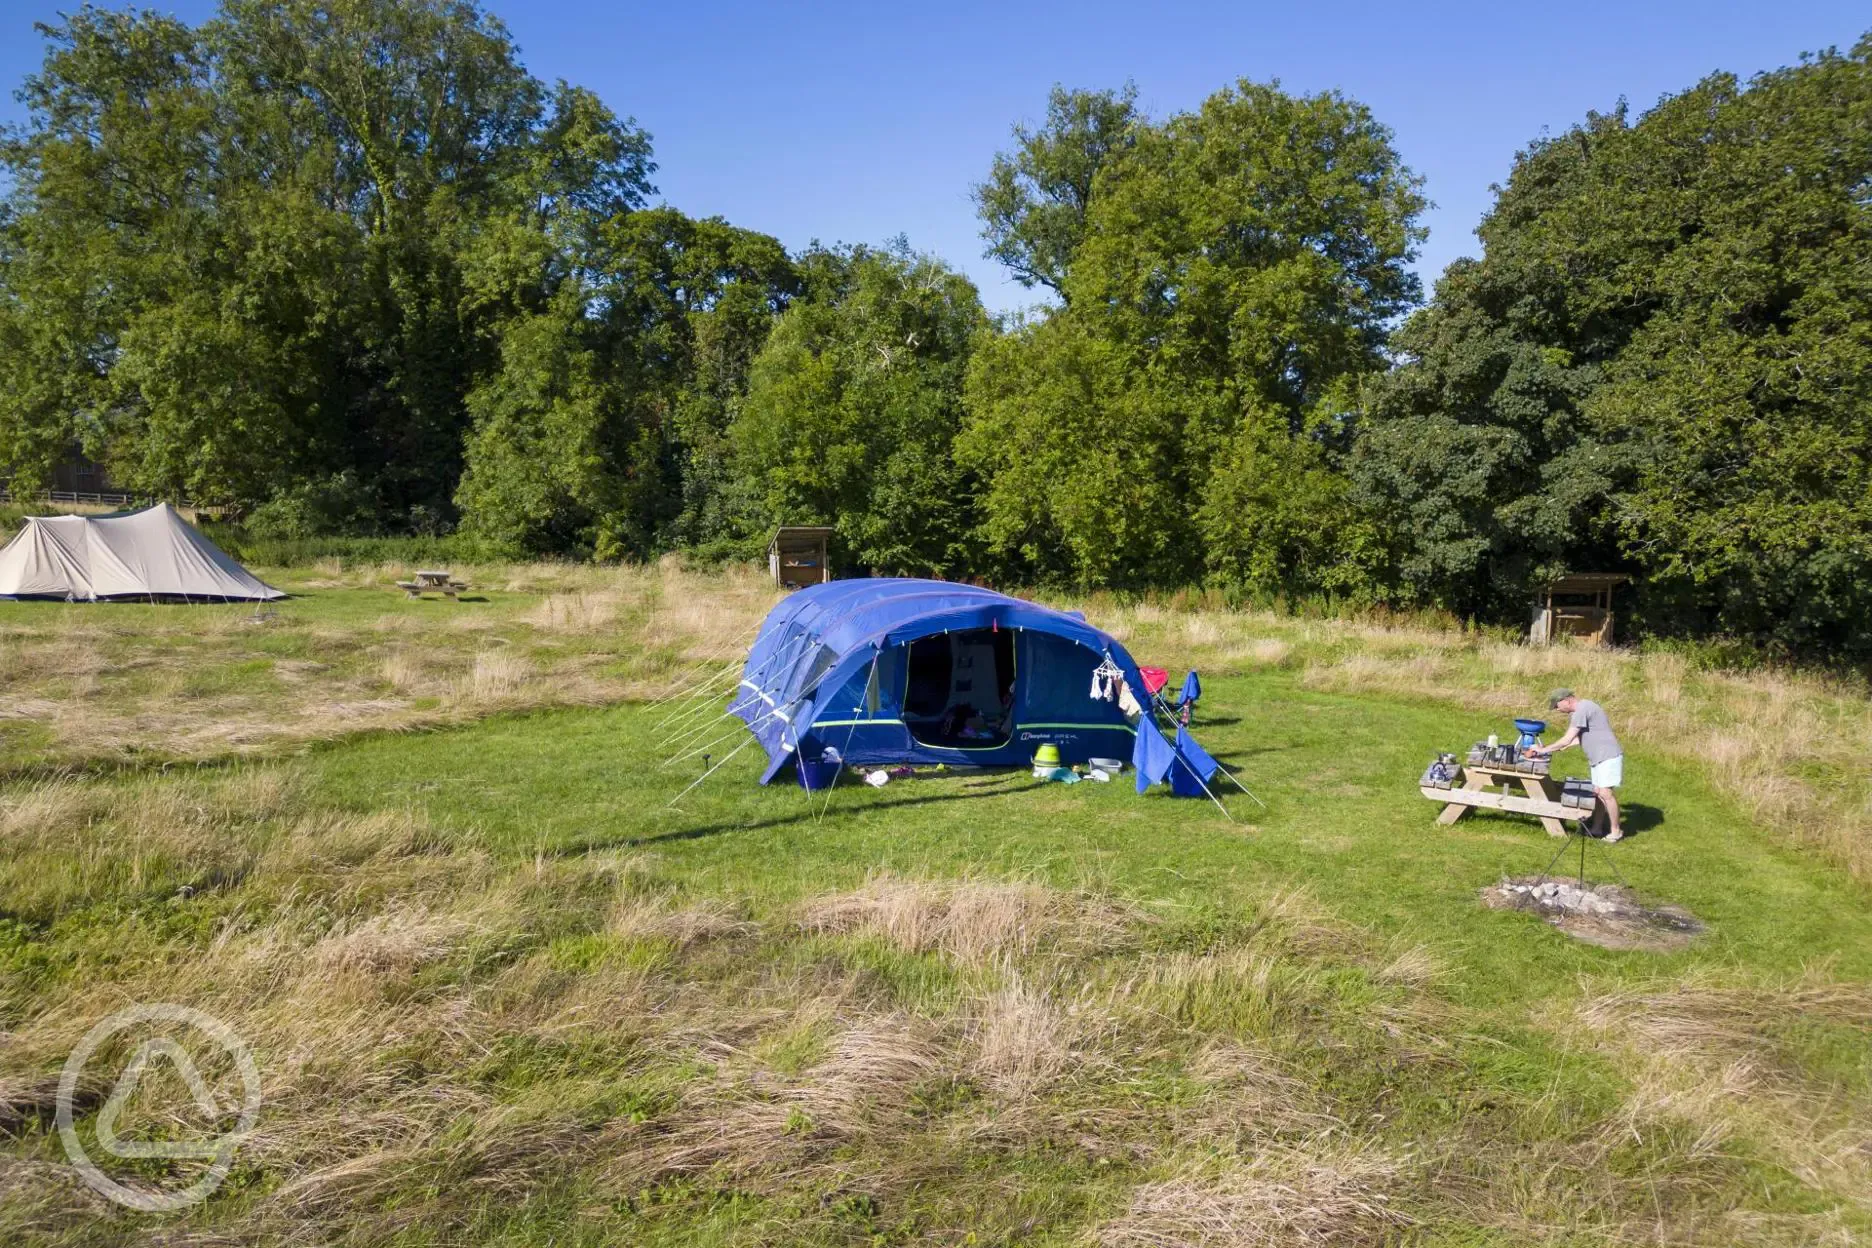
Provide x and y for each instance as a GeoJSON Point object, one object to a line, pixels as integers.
{"type": "Point", "coordinates": [855, 122]}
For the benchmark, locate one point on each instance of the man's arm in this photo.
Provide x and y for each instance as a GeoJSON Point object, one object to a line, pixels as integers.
{"type": "Point", "coordinates": [1567, 742]}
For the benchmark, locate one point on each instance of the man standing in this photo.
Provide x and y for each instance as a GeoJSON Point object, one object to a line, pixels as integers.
{"type": "Point", "coordinates": [1590, 729]}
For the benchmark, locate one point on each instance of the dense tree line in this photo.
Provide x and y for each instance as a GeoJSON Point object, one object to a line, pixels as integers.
{"type": "Point", "coordinates": [349, 266]}
{"type": "Point", "coordinates": [1662, 361]}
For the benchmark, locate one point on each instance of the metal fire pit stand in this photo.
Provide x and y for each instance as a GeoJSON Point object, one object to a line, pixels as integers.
{"type": "Point", "coordinates": [1579, 832]}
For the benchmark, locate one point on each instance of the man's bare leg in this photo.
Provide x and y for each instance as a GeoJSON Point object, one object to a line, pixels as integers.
{"type": "Point", "coordinates": [1609, 800]}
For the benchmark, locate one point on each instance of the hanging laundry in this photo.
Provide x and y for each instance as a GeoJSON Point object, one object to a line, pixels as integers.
{"type": "Point", "coordinates": [1127, 701]}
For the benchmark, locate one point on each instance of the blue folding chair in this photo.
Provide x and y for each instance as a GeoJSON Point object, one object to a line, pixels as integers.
{"type": "Point", "coordinates": [1187, 700]}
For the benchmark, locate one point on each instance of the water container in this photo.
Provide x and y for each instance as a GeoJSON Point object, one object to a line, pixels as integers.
{"type": "Point", "coordinates": [816, 774]}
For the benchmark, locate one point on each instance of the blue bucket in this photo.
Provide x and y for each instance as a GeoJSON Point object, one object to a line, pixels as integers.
{"type": "Point", "coordinates": [816, 774]}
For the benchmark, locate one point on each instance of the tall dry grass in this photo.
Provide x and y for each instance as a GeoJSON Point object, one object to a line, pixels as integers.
{"type": "Point", "coordinates": [441, 1032]}
{"type": "Point", "coordinates": [1785, 746]}
{"type": "Point", "coordinates": [1330, 1193]}
{"type": "Point", "coordinates": [1729, 1060]}
{"type": "Point", "coordinates": [974, 921]}
{"type": "Point", "coordinates": [133, 683]}
{"type": "Point", "coordinates": [1026, 1040]}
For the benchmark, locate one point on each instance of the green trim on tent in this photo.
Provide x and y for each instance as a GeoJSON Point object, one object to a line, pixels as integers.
{"type": "Point", "coordinates": [1100, 727]}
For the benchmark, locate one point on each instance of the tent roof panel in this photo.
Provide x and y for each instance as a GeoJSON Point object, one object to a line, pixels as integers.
{"type": "Point", "coordinates": [130, 554]}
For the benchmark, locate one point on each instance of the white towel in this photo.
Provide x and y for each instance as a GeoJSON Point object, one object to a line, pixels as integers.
{"type": "Point", "coordinates": [1126, 702]}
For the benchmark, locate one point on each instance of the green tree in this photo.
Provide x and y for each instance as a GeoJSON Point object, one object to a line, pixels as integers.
{"type": "Point", "coordinates": [853, 406]}
{"type": "Point", "coordinates": [699, 298]}
{"type": "Point", "coordinates": [603, 430]}
{"type": "Point", "coordinates": [1033, 205]}
{"type": "Point", "coordinates": [1663, 359]}
{"type": "Point", "coordinates": [1474, 457]}
{"type": "Point", "coordinates": [1238, 270]}
{"type": "Point", "coordinates": [237, 256]}
{"type": "Point", "coordinates": [1078, 446]}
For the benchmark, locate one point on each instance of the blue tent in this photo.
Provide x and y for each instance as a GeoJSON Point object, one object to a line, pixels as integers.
{"type": "Point", "coordinates": [893, 670]}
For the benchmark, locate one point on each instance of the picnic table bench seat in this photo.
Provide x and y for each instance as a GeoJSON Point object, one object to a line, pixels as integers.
{"type": "Point", "coordinates": [436, 582]}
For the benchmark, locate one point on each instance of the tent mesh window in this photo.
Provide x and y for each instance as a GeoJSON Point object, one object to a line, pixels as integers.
{"type": "Point", "coordinates": [959, 688]}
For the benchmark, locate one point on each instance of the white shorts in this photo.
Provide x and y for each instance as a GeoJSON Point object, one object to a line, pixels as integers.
{"type": "Point", "coordinates": [1608, 774]}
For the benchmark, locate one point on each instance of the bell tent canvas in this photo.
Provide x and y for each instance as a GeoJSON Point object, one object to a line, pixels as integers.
{"type": "Point", "coordinates": [152, 553]}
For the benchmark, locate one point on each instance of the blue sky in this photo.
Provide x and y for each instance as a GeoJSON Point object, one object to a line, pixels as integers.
{"type": "Point", "coordinates": [855, 122]}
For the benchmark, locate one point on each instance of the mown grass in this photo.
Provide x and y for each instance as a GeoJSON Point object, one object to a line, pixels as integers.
{"type": "Point", "coordinates": [503, 991]}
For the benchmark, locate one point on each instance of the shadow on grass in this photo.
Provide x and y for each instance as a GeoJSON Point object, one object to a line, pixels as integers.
{"type": "Point", "coordinates": [1636, 819]}
{"type": "Point", "coordinates": [812, 813]}
{"type": "Point", "coordinates": [1233, 758]}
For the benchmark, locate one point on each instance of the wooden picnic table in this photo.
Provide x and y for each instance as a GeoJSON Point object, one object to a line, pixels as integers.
{"type": "Point", "coordinates": [1542, 800]}
{"type": "Point", "coordinates": [432, 580]}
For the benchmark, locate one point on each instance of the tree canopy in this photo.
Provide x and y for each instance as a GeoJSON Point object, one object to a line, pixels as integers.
{"type": "Point", "coordinates": [1236, 273]}
{"type": "Point", "coordinates": [348, 265]}
{"type": "Point", "coordinates": [273, 249]}
{"type": "Point", "coordinates": [1033, 205]}
{"type": "Point", "coordinates": [853, 406]}
{"type": "Point", "coordinates": [1661, 362]}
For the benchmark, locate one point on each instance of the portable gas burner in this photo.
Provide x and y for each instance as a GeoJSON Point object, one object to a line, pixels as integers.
{"type": "Point", "coordinates": [1530, 730]}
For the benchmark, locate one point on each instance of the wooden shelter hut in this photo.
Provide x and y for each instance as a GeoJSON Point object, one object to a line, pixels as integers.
{"type": "Point", "coordinates": [1578, 604]}
{"type": "Point", "coordinates": [799, 556]}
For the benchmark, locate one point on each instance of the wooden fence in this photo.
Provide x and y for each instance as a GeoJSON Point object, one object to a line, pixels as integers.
{"type": "Point", "coordinates": [122, 502]}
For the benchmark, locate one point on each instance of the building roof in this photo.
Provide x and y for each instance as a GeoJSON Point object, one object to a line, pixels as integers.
{"type": "Point", "coordinates": [1586, 582]}
{"type": "Point", "coordinates": [800, 530]}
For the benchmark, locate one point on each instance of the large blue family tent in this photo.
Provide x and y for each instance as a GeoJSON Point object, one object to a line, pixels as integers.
{"type": "Point", "coordinates": [893, 670]}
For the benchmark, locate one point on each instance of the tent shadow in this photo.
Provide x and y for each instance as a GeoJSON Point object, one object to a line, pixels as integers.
{"type": "Point", "coordinates": [835, 811]}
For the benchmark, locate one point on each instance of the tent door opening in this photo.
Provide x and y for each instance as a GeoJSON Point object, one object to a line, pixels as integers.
{"type": "Point", "coordinates": [959, 689]}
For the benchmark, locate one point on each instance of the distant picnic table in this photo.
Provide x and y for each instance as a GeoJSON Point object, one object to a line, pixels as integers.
{"type": "Point", "coordinates": [433, 580]}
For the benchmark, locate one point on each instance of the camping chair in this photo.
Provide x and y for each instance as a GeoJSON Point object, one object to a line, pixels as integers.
{"type": "Point", "coordinates": [1182, 711]}
{"type": "Point", "coordinates": [1191, 695]}
{"type": "Point", "coordinates": [1155, 679]}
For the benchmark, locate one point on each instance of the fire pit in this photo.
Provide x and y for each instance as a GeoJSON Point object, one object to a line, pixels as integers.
{"type": "Point", "coordinates": [1608, 915]}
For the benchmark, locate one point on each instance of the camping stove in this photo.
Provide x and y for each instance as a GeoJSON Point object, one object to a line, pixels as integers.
{"type": "Point", "coordinates": [1530, 730]}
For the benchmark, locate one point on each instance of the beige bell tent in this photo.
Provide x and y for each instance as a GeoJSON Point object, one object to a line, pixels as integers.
{"type": "Point", "coordinates": [153, 553]}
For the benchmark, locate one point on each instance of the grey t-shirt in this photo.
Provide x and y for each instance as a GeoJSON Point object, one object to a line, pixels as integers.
{"type": "Point", "coordinates": [1595, 732]}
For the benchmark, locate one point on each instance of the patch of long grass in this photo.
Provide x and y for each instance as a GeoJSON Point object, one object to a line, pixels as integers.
{"type": "Point", "coordinates": [972, 920]}
{"type": "Point", "coordinates": [493, 994]}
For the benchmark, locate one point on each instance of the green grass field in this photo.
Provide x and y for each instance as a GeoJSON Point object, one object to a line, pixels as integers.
{"type": "Point", "coordinates": [501, 991]}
